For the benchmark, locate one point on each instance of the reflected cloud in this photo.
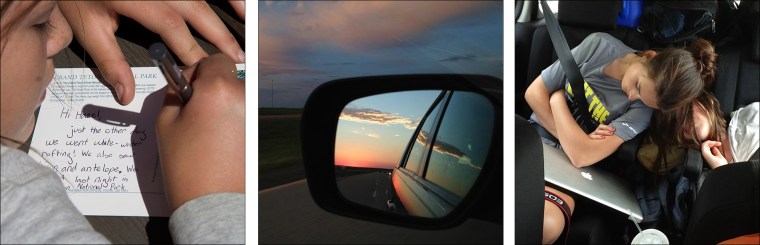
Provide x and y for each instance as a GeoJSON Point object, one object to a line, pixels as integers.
{"type": "Point", "coordinates": [371, 135]}
{"type": "Point", "coordinates": [445, 148]}
{"type": "Point", "coordinates": [367, 115]}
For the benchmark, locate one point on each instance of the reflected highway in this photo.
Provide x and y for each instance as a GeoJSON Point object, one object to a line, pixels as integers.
{"type": "Point", "coordinates": [287, 214]}
{"type": "Point", "coordinates": [370, 189]}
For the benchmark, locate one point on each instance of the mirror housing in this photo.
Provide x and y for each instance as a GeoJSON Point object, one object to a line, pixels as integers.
{"type": "Point", "coordinates": [319, 122]}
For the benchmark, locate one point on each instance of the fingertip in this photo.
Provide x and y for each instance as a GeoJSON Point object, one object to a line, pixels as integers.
{"type": "Point", "coordinates": [241, 56]}
{"type": "Point", "coordinates": [119, 92]}
{"type": "Point", "coordinates": [127, 100]}
{"type": "Point", "coordinates": [232, 50]}
{"type": "Point", "coordinates": [125, 94]}
{"type": "Point", "coordinates": [119, 75]}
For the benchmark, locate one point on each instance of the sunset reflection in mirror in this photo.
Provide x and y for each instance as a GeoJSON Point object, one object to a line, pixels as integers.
{"type": "Point", "coordinates": [373, 132]}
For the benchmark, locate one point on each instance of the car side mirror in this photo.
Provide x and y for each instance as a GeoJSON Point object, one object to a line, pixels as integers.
{"type": "Point", "coordinates": [411, 150]}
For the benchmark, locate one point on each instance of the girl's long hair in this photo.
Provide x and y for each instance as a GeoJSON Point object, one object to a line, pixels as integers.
{"type": "Point", "coordinates": [667, 128]}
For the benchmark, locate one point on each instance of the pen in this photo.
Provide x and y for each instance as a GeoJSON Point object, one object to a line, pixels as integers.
{"type": "Point", "coordinates": [169, 68]}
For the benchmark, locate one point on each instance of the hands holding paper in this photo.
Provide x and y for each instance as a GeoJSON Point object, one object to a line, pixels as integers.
{"type": "Point", "coordinates": [94, 24]}
{"type": "Point", "coordinates": [202, 144]}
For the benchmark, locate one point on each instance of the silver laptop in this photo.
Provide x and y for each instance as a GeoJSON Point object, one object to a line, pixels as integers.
{"type": "Point", "coordinates": [592, 182]}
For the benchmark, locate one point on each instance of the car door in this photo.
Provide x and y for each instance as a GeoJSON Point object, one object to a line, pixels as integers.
{"type": "Point", "coordinates": [444, 157]}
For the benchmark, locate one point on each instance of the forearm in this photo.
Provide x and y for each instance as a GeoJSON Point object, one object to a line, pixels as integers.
{"type": "Point", "coordinates": [579, 147]}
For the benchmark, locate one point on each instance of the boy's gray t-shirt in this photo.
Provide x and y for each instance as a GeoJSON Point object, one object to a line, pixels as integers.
{"type": "Point", "coordinates": [607, 102]}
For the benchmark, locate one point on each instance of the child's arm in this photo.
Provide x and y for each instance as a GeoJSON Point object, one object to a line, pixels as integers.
{"type": "Point", "coordinates": [579, 147]}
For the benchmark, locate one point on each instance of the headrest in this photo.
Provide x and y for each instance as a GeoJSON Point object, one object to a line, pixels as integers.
{"type": "Point", "coordinates": [600, 15]}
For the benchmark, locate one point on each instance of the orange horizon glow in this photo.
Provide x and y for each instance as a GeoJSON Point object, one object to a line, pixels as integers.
{"type": "Point", "coordinates": [354, 154]}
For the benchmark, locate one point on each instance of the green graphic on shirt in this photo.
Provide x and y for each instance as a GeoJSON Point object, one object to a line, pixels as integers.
{"type": "Point", "coordinates": [596, 108]}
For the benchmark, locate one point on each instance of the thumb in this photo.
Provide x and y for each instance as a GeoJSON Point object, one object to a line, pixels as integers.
{"type": "Point", "coordinates": [118, 74]}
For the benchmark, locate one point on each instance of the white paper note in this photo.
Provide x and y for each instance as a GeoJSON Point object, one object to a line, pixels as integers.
{"type": "Point", "coordinates": [105, 153]}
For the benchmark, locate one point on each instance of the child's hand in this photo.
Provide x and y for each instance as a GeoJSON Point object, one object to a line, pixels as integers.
{"type": "Point", "coordinates": [711, 153]}
{"type": "Point", "coordinates": [602, 131]}
{"type": "Point", "coordinates": [95, 22]}
{"type": "Point", "coordinates": [202, 143]}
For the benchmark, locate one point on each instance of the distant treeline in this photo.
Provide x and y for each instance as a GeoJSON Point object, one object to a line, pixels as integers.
{"type": "Point", "coordinates": [280, 111]}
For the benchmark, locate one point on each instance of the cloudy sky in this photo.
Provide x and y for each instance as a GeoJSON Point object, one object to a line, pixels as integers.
{"type": "Point", "coordinates": [305, 43]}
{"type": "Point", "coordinates": [374, 131]}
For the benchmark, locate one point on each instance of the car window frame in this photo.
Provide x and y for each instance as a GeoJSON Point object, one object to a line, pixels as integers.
{"type": "Point", "coordinates": [445, 95]}
{"type": "Point", "coordinates": [421, 177]}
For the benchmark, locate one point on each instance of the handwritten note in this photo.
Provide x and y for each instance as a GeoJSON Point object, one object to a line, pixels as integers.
{"type": "Point", "coordinates": [106, 154]}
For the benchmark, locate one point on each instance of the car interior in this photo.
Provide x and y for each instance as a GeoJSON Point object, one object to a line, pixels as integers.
{"type": "Point", "coordinates": [737, 42]}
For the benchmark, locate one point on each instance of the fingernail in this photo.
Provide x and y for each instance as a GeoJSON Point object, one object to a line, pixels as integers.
{"type": "Point", "coordinates": [119, 91]}
{"type": "Point", "coordinates": [241, 56]}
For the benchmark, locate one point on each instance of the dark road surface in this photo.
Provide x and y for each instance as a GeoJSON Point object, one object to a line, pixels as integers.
{"type": "Point", "coordinates": [287, 214]}
{"type": "Point", "coordinates": [371, 189]}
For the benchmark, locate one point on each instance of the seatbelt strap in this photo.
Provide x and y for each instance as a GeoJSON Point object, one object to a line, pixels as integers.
{"type": "Point", "coordinates": [571, 69]}
{"type": "Point", "coordinates": [693, 165]}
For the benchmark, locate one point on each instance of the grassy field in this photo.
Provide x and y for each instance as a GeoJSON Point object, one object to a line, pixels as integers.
{"type": "Point", "coordinates": [279, 111]}
{"type": "Point", "coordinates": [279, 140]}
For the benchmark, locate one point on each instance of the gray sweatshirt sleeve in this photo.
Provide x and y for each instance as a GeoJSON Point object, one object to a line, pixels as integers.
{"type": "Point", "coordinates": [214, 218]}
{"type": "Point", "coordinates": [35, 207]}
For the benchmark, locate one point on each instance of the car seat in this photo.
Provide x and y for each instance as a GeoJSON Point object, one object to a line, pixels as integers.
{"type": "Point", "coordinates": [727, 205]}
{"type": "Point", "coordinates": [737, 80]}
{"type": "Point", "coordinates": [529, 183]}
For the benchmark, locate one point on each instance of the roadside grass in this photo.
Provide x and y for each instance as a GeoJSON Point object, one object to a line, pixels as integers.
{"type": "Point", "coordinates": [280, 111]}
{"type": "Point", "coordinates": [279, 140]}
